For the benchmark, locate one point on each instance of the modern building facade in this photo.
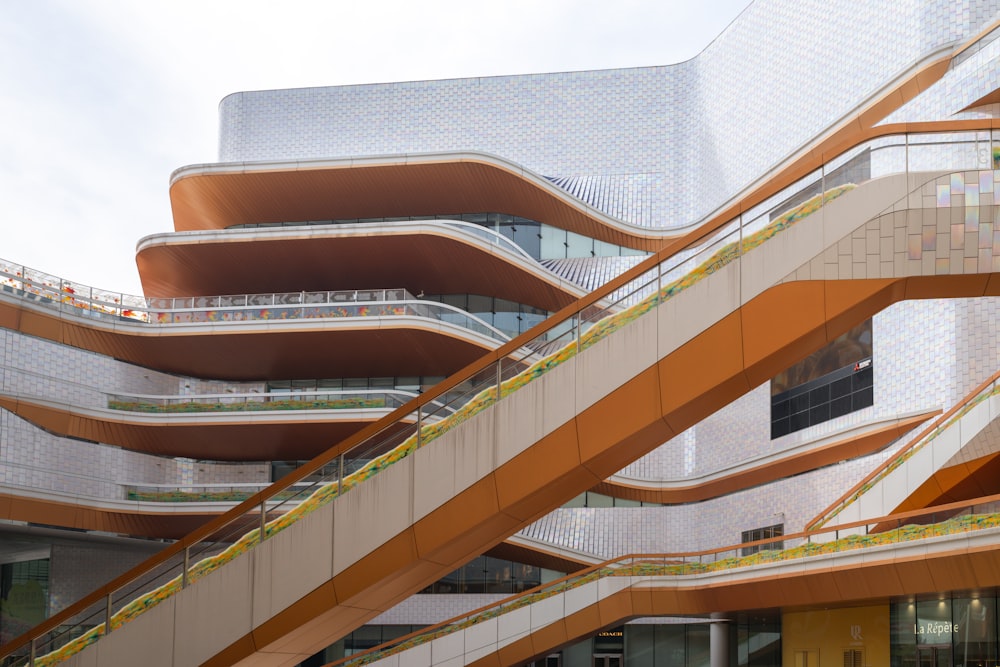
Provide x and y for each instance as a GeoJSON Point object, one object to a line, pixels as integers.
{"type": "Point", "coordinates": [762, 288]}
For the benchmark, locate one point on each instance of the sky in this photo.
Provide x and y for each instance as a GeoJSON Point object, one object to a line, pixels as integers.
{"type": "Point", "coordinates": [100, 100]}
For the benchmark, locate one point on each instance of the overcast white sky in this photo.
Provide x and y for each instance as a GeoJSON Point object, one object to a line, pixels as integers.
{"type": "Point", "coordinates": [102, 99]}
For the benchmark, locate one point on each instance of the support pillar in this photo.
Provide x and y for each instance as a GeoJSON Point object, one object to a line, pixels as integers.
{"type": "Point", "coordinates": [718, 640]}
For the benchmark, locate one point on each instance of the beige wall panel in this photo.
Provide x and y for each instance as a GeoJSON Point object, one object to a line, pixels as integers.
{"type": "Point", "coordinates": [276, 586]}
{"type": "Point", "coordinates": [216, 611]}
{"type": "Point", "coordinates": [372, 513]}
{"type": "Point", "coordinates": [698, 307]}
{"type": "Point", "coordinates": [520, 418]}
{"type": "Point", "coordinates": [615, 360]}
{"type": "Point", "coordinates": [151, 636]}
{"type": "Point", "coordinates": [481, 639]}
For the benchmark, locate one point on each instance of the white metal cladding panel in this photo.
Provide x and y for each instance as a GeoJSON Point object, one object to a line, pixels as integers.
{"type": "Point", "coordinates": [611, 532]}
{"type": "Point", "coordinates": [658, 146]}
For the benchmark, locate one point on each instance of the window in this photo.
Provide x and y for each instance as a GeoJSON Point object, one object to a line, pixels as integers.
{"type": "Point", "coordinates": [765, 533]}
{"type": "Point", "coordinates": [854, 657]}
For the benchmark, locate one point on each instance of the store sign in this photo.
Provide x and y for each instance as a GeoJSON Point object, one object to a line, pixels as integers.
{"type": "Point", "coordinates": [932, 632]}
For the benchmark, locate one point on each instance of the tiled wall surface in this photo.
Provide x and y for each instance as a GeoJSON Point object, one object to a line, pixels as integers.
{"type": "Point", "coordinates": [611, 532]}
{"type": "Point", "coordinates": [973, 75]}
{"type": "Point", "coordinates": [658, 146]}
{"type": "Point", "coordinates": [79, 568]}
{"type": "Point", "coordinates": [35, 459]}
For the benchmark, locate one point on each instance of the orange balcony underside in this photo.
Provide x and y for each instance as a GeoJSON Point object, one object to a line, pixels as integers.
{"type": "Point", "coordinates": [279, 350]}
{"type": "Point", "coordinates": [419, 262]}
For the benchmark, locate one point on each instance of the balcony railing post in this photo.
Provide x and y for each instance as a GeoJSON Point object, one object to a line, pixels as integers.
{"type": "Point", "coordinates": [906, 156]}
{"type": "Point", "coordinates": [187, 564]}
{"type": "Point", "coordinates": [340, 473]}
{"type": "Point", "coordinates": [32, 651]}
{"type": "Point", "coordinates": [107, 616]}
{"type": "Point", "coordinates": [499, 378]}
{"type": "Point", "coordinates": [579, 316]}
{"type": "Point", "coordinates": [263, 521]}
{"type": "Point", "coordinates": [659, 283]}
{"type": "Point", "coordinates": [420, 424]}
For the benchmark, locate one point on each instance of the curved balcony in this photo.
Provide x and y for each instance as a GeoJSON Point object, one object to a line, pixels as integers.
{"type": "Point", "coordinates": [360, 333]}
{"type": "Point", "coordinates": [214, 427]}
{"type": "Point", "coordinates": [744, 474]}
{"type": "Point", "coordinates": [433, 257]}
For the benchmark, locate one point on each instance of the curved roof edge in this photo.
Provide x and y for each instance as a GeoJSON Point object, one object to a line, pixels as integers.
{"type": "Point", "coordinates": [219, 195]}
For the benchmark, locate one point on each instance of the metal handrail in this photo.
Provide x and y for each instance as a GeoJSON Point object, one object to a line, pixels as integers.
{"type": "Point", "coordinates": [568, 318]}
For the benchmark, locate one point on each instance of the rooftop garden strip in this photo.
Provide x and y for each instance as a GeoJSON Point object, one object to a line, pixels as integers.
{"type": "Point", "coordinates": [203, 496]}
{"type": "Point", "coordinates": [252, 405]}
{"type": "Point", "coordinates": [326, 493]}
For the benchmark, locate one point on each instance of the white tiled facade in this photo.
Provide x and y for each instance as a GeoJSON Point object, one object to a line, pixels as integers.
{"type": "Point", "coordinates": [657, 146]}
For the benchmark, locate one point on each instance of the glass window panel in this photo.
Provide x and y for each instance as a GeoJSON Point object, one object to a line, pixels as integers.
{"type": "Point", "coordinates": [553, 243]}
{"type": "Point", "coordinates": [408, 383]}
{"type": "Point", "coordinates": [697, 646]}
{"type": "Point", "coordinates": [474, 576]}
{"type": "Point", "coordinates": [480, 305]}
{"type": "Point", "coordinates": [457, 300]}
{"type": "Point", "coordinates": [599, 500]}
{"type": "Point", "coordinates": [365, 637]}
{"type": "Point", "coordinates": [335, 383]}
{"type": "Point", "coordinates": [528, 236]}
{"type": "Point", "coordinates": [975, 631]}
{"type": "Point", "coordinates": [579, 245]}
{"type": "Point", "coordinates": [933, 623]}
{"type": "Point", "coordinates": [477, 218]}
{"type": "Point", "coordinates": [605, 249]}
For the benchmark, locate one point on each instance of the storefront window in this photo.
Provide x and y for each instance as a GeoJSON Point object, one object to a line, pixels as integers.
{"type": "Point", "coordinates": [944, 632]}
{"type": "Point", "coordinates": [975, 631]}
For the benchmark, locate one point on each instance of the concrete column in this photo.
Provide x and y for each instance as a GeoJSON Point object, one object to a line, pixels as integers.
{"type": "Point", "coordinates": [718, 640]}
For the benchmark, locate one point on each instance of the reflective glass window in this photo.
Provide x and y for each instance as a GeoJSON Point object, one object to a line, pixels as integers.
{"type": "Point", "coordinates": [553, 243]}
{"type": "Point", "coordinates": [578, 245]}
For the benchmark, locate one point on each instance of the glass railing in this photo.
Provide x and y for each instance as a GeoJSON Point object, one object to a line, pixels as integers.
{"type": "Point", "coordinates": [202, 493]}
{"type": "Point", "coordinates": [492, 237]}
{"type": "Point", "coordinates": [76, 299]}
{"type": "Point", "coordinates": [499, 373]}
{"type": "Point", "coordinates": [896, 529]}
{"type": "Point", "coordinates": [27, 384]}
{"type": "Point", "coordinates": [363, 399]}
